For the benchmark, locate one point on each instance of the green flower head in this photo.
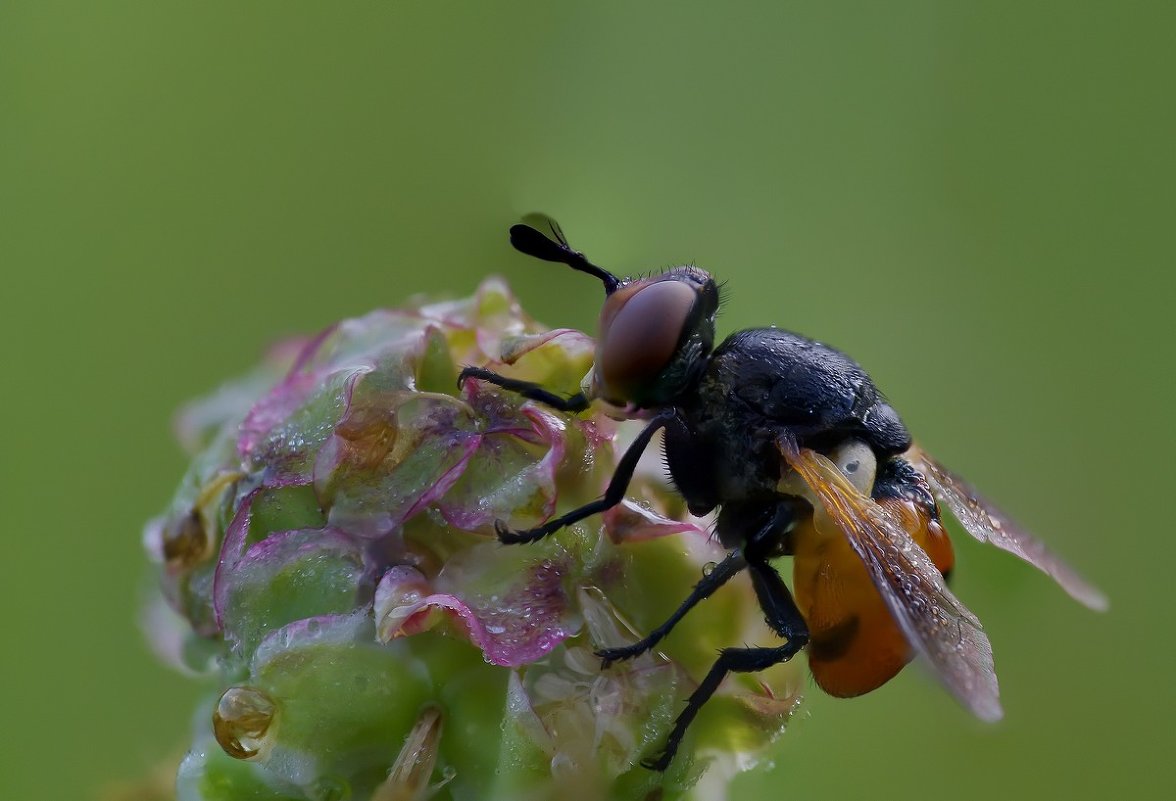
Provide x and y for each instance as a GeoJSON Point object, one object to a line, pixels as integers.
{"type": "Point", "coordinates": [330, 560]}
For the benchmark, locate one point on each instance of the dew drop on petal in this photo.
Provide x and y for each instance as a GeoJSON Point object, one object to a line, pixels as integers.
{"type": "Point", "coordinates": [242, 719]}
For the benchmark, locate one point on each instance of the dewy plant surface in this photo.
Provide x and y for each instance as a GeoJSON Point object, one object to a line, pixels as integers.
{"type": "Point", "coordinates": [330, 560]}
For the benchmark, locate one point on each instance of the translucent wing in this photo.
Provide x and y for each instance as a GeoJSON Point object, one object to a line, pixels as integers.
{"type": "Point", "coordinates": [986, 523]}
{"type": "Point", "coordinates": [935, 623]}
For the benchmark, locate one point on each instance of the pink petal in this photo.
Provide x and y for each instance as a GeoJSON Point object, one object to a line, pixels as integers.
{"type": "Point", "coordinates": [630, 522]}
{"type": "Point", "coordinates": [520, 625]}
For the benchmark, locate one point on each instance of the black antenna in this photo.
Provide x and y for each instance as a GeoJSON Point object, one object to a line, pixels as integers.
{"type": "Point", "coordinates": [527, 237]}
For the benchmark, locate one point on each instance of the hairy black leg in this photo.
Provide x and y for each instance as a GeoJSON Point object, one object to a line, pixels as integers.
{"type": "Point", "coordinates": [782, 616]}
{"type": "Point", "coordinates": [576, 403]}
{"type": "Point", "coordinates": [722, 573]}
{"type": "Point", "coordinates": [780, 612]}
{"type": "Point", "coordinates": [612, 496]}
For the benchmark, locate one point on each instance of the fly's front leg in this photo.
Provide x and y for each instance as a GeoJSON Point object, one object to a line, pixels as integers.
{"type": "Point", "coordinates": [529, 390]}
{"type": "Point", "coordinates": [612, 496]}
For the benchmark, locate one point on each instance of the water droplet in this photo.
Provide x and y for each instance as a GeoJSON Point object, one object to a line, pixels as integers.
{"type": "Point", "coordinates": [242, 719]}
{"type": "Point", "coordinates": [709, 568]}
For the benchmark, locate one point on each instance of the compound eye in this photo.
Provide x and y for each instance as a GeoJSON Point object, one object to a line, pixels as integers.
{"type": "Point", "coordinates": [640, 327]}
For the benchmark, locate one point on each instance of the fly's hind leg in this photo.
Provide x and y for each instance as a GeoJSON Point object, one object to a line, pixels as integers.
{"type": "Point", "coordinates": [780, 613]}
{"type": "Point", "coordinates": [769, 522]}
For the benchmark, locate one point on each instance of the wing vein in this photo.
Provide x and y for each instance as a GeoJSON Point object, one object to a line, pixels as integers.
{"type": "Point", "coordinates": [988, 524]}
{"type": "Point", "coordinates": [936, 624]}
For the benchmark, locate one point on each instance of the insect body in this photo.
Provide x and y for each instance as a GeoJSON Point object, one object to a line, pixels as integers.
{"type": "Point", "coordinates": [799, 453]}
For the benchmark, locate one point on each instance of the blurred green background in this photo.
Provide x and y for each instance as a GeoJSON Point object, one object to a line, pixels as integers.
{"type": "Point", "coordinates": [974, 199]}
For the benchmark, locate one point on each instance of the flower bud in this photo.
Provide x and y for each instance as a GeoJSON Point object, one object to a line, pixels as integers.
{"type": "Point", "coordinates": [331, 555]}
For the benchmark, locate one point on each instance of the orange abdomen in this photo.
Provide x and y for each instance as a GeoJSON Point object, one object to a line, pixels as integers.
{"type": "Point", "coordinates": [855, 646]}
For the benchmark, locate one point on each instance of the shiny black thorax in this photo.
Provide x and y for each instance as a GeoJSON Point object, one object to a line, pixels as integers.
{"type": "Point", "coordinates": [758, 385]}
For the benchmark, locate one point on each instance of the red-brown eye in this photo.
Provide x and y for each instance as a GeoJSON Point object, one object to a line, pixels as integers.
{"type": "Point", "coordinates": [640, 327]}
